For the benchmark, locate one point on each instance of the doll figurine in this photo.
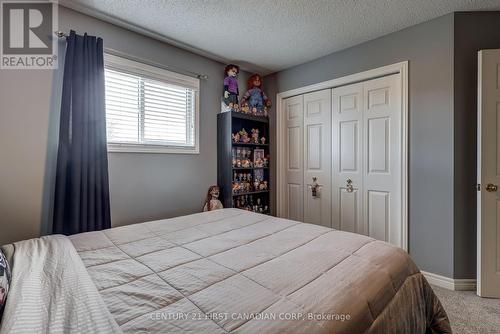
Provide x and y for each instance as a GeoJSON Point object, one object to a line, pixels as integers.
{"type": "Point", "coordinates": [231, 85]}
{"type": "Point", "coordinates": [255, 136]}
{"type": "Point", "coordinates": [255, 98]}
{"type": "Point", "coordinates": [244, 109]}
{"type": "Point", "coordinates": [236, 137]}
{"type": "Point", "coordinates": [244, 136]}
{"type": "Point", "coordinates": [212, 202]}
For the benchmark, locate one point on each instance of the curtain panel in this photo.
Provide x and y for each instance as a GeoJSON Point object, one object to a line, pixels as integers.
{"type": "Point", "coordinates": [81, 201]}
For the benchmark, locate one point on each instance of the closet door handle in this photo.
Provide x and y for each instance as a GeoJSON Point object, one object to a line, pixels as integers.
{"type": "Point", "coordinates": [315, 187]}
{"type": "Point", "coordinates": [349, 187]}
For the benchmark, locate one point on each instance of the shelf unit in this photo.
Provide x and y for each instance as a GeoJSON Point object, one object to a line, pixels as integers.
{"type": "Point", "coordinates": [243, 168]}
{"type": "Point", "coordinates": [227, 124]}
{"type": "Point", "coordinates": [252, 145]}
{"type": "Point", "coordinates": [251, 193]}
{"type": "Point", "coordinates": [250, 117]}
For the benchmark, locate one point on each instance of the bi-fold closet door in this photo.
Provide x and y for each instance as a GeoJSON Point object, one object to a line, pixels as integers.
{"type": "Point", "coordinates": [349, 139]}
{"type": "Point", "coordinates": [308, 148]}
{"type": "Point", "coordinates": [367, 164]}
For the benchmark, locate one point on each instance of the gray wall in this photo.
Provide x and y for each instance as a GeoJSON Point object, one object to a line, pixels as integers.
{"type": "Point", "coordinates": [25, 97]}
{"type": "Point", "coordinates": [429, 49]}
{"type": "Point", "coordinates": [473, 32]}
{"type": "Point", "coordinates": [142, 186]}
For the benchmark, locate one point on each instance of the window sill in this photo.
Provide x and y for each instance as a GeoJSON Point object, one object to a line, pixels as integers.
{"type": "Point", "coordinates": [156, 149]}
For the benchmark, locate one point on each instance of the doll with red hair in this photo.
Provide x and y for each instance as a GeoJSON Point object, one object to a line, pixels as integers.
{"type": "Point", "coordinates": [255, 97]}
{"type": "Point", "coordinates": [212, 201]}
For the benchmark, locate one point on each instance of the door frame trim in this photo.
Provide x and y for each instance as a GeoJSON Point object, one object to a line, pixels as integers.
{"type": "Point", "coordinates": [400, 68]}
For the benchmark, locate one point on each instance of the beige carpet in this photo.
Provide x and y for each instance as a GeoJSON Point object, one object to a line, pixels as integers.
{"type": "Point", "coordinates": [469, 313]}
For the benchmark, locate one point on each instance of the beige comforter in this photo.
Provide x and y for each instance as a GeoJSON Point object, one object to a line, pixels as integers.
{"type": "Point", "coordinates": [231, 271]}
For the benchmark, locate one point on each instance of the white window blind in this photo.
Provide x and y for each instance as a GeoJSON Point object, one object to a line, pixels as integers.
{"type": "Point", "coordinates": [149, 109]}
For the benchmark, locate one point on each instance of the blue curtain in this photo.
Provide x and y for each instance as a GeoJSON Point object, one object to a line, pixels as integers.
{"type": "Point", "coordinates": [81, 201]}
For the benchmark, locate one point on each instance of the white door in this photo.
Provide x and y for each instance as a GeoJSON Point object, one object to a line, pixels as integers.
{"type": "Point", "coordinates": [347, 129]}
{"type": "Point", "coordinates": [382, 159]}
{"type": "Point", "coordinates": [367, 164]}
{"type": "Point", "coordinates": [488, 208]}
{"type": "Point", "coordinates": [294, 161]}
{"type": "Point", "coordinates": [317, 158]}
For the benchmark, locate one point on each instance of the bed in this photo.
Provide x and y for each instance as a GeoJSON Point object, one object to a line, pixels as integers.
{"type": "Point", "coordinates": [224, 271]}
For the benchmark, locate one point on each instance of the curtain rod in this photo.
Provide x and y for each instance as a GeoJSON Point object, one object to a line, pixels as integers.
{"type": "Point", "coordinates": [61, 34]}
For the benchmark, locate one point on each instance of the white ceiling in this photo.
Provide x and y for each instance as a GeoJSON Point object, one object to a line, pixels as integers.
{"type": "Point", "coordinates": [270, 35]}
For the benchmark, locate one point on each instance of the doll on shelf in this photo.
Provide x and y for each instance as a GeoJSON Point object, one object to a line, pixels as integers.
{"type": "Point", "coordinates": [254, 98]}
{"type": "Point", "coordinates": [244, 138]}
{"type": "Point", "coordinates": [231, 86]}
{"type": "Point", "coordinates": [246, 163]}
{"type": "Point", "coordinates": [255, 136]}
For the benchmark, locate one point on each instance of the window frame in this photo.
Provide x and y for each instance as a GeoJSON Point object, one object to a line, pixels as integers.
{"type": "Point", "coordinates": [134, 67]}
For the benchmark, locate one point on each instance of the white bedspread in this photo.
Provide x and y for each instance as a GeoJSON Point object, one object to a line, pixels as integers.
{"type": "Point", "coordinates": [52, 292]}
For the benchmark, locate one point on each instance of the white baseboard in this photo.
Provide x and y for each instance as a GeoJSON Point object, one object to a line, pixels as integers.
{"type": "Point", "coordinates": [456, 284]}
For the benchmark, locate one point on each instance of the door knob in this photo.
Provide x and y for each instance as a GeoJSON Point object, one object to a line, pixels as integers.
{"type": "Point", "coordinates": [315, 187]}
{"type": "Point", "coordinates": [491, 187]}
{"type": "Point", "coordinates": [349, 187]}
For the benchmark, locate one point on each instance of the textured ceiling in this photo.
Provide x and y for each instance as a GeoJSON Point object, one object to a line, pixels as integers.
{"type": "Point", "coordinates": [271, 35]}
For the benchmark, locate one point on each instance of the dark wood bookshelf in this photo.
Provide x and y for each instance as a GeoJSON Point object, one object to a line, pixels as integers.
{"type": "Point", "coordinates": [251, 193]}
{"type": "Point", "coordinates": [249, 144]}
{"type": "Point", "coordinates": [243, 168]}
{"type": "Point", "coordinates": [227, 124]}
{"type": "Point", "coordinates": [250, 117]}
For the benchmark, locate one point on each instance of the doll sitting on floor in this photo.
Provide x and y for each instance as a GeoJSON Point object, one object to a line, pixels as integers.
{"type": "Point", "coordinates": [212, 202]}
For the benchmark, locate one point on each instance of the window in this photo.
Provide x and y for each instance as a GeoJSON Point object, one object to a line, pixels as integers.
{"type": "Point", "coordinates": [149, 109]}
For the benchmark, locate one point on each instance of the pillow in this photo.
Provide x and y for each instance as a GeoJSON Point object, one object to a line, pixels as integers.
{"type": "Point", "coordinates": [5, 277]}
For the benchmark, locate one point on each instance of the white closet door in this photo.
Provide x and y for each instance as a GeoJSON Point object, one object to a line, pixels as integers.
{"type": "Point", "coordinates": [349, 139]}
{"type": "Point", "coordinates": [382, 150]}
{"type": "Point", "coordinates": [367, 152]}
{"type": "Point", "coordinates": [294, 158]}
{"type": "Point", "coordinates": [347, 129]}
{"type": "Point", "coordinates": [317, 157]}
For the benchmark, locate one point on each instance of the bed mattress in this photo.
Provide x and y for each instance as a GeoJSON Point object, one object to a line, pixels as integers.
{"type": "Point", "coordinates": [232, 271]}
